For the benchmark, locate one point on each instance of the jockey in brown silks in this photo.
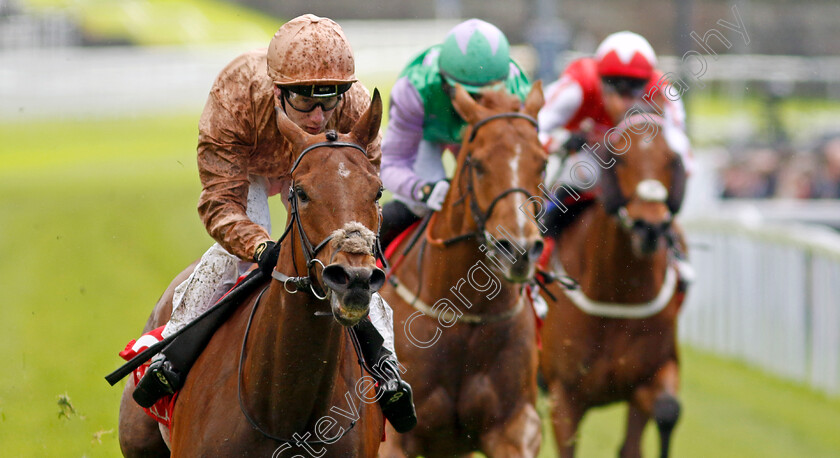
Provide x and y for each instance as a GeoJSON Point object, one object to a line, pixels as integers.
{"type": "Point", "coordinates": [592, 96]}
{"type": "Point", "coordinates": [308, 72]}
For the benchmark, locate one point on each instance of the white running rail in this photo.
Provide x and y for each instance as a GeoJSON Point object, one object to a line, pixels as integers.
{"type": "Point", "coordinates": [769, 294]}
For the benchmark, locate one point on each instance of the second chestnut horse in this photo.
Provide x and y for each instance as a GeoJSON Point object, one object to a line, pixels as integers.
{"type": "Point", "coordinates": [613, 338]}
{"type": "Point", "coordinates": [463, 329]}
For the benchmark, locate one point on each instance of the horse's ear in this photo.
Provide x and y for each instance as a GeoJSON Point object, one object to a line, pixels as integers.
{"type": "Point", "coordinates": [367, 128]}
{"type": "Point", "coordinates": [466, 106]}
{"type": "Point", "coordinates": [535, 100]}
{"type": "Point", "coordinates": [290, 130]}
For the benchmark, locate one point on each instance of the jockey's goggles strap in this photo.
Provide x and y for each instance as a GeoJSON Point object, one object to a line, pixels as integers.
{"type": "Point", "coordinates": [318, 90]}
{"type": "Point", "coordinates": [492, 85]}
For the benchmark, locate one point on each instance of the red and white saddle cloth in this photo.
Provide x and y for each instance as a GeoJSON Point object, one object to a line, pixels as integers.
{"type": "Point", "coordinates": [162, 410]}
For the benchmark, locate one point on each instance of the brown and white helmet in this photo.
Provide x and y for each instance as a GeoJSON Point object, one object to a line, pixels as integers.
{"type": "Point", "coordinates": [311, 51]}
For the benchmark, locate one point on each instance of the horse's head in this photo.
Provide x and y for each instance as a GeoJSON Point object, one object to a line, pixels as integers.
{"type": "Point", "coordinates": [335, 200]}
{"type": "Point", "coordinates": [644, 188]}
{"type": "Point", "coordinates": [500, 166]}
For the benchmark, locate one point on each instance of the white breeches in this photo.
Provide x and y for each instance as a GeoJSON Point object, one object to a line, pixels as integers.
{"type": "Point", "coordinates": [579, 170]}
{"type": "Point", "coordinates": [217, 272]}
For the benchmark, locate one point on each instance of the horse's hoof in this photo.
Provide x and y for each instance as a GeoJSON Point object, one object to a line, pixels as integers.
{"type": "Point", "coordinates": [666, 412]}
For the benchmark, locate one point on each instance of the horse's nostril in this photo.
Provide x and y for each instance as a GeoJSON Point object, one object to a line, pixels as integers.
{"type": "Point", "coordinates": [536, 249]}
{"type": "Point", "coordinates": [377, 279]}
{"type": "Point", "coordinates": [335, 276]}
{"type": "Point", "coordinates": [505, 246]}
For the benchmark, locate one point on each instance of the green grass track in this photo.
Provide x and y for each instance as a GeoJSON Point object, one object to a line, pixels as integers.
{"type": "Point", "coordinates": [96, 217]}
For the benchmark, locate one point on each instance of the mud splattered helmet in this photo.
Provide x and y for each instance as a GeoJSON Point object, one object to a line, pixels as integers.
{"type": "Point", "coordinates": [311, 54]}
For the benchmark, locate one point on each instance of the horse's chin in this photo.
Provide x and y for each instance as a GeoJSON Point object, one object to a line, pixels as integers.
{"type": "Point", "coordinates": [350, 307]}
{"type": "Point", "coordinates": [645, 246]}
{"type": "Point", "coordinates": [518, 272]}
{"type": "Point", "coordinates": [519, 275]}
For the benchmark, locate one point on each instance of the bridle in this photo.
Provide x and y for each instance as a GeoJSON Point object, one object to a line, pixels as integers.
{"type": "Point", "coordinates": [481, 216]}
{"type": "Point", "coordinates": [615, 202]}
{"type": "Point", "coordinates": [300, 283]}
{"type": "Point", "coordinates": [310, 252]}
{"type": "Point", "coordinates": [480, 234]}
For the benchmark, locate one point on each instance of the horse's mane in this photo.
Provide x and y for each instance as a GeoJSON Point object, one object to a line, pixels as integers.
{"type": "Point", "coordinates": [500, 100]}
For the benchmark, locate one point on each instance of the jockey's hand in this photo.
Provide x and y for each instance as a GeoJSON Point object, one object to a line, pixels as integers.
{"type": "Point", "coordinates": [433, 194]}
{"type": "Point", "coordinates": [575, 142]}
{"type": "Point", "coordinates": [266, 256]}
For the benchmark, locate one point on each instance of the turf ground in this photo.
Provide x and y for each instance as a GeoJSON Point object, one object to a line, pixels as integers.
{"type": "Point", "coordinates": [96, 217]}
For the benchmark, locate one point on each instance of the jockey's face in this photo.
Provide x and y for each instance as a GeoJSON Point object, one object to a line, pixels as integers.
{"type": "Point", "coordinates": [620, 95]}
{"type": "Point", "coordinates": [313, 121]}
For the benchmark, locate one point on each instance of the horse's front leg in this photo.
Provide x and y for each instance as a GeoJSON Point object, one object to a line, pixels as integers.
{"type": "Point", "coordinates": [565, 419]}
{"type": "Point", "coordinates": [657, 400]}
{"type": "Point", "coordinates": [392, 447]}
{"type": "Point", "coordinates": [519, 436]}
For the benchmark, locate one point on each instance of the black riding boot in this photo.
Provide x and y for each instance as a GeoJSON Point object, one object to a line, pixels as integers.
{"type": "Point", "coordinates": [396, 218]}
{"type": "Point", "coordinates": [394, 393]}
{"type": "Point", "coordinates": [556, 219]}
{"type": "Point", "coordinates": [161, 379]}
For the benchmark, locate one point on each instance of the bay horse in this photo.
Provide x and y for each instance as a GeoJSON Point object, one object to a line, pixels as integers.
{"type": "Point", "coordinates": [280, 377]}
{"type": "Point", "coordinates": [473, 365]}
{"type": "Point", "coordinates": [613, 338]}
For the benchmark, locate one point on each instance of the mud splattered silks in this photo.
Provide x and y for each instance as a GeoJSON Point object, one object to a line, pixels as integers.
{"type": "Point", "coordinates": [217, 271]}
{"type": "Point", "coordinates": [238, 137]}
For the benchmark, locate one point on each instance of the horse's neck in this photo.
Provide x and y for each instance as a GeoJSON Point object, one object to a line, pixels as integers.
{"type": "Point", "coordinates": [456, 261]}
{"type": "Point", "coordinates": [613, 271]}
{"type": "Point", "coordinates": [293, 358]}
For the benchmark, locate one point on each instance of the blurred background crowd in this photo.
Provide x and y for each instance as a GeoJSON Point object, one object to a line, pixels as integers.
{"type": "Point", "coordinates": [783, 171]}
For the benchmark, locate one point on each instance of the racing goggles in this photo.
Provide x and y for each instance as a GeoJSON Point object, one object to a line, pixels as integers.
{"type": "Point", "coordinates": [307, 98]}
{"type": "Point", "coordinates": [473, 91]}
{"type": "Point", "coordinates": [625, 86]}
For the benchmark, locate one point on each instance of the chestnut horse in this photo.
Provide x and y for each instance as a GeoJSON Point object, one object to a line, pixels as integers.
{"type": "Point", "coordinates": [280, 377]}
{"type": "Point", "coordinates": [613, 338]}
{"type": "Point", "coordinates": [462, 328]}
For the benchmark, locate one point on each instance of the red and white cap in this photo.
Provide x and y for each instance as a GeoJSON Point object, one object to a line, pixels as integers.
{"type": "Point", "coordinates": [625, 54]}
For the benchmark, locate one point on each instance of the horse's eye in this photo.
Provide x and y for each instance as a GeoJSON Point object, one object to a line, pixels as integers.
{"type": "Point", "coordinates": [301, 194]}
{"type": "Point", "coordinates": [478, 167]}
{"type": "Point", "coordinates": [379, 194]}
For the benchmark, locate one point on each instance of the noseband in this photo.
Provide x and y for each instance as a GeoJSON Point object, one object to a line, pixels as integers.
{"type": "Point", "coordinates": [310, 252]}
{"type": "Point", "coordinates": [614, 200]}
{"type": "Point", "coordinates": [481, 217]}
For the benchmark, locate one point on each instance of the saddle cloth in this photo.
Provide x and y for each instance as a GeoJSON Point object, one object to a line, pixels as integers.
{"type": "Point", "coordinates": [162, 410]}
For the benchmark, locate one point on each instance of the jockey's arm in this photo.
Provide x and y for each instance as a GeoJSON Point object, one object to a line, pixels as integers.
{"type": "Point", "coordinates": [402, 140]}
{"type": "Point", "coordinates": [223, 149]}
{"type": "Point", "coordinates": [675, 134]}
{"type": "Point", "coordinates": [563, 99]}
